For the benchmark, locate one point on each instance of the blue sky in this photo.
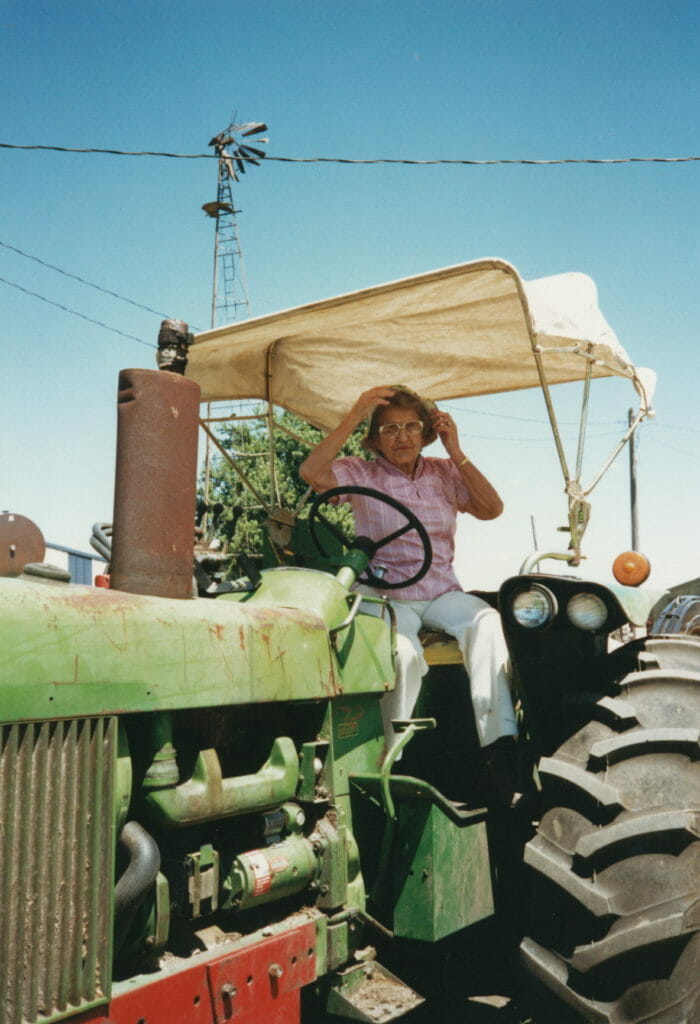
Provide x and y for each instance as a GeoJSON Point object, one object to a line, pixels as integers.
{"type": "Point", "coordinates": [445, 79]}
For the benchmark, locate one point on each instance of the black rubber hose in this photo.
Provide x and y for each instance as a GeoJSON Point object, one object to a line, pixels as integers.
{"type": "Point", "coordinates": [137, 879]}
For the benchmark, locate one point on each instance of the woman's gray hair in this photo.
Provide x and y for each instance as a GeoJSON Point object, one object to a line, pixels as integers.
{"type": "Point", "coordinates": [403, 398]}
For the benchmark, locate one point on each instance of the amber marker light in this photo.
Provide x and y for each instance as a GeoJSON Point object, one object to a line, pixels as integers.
{"type": "Point", "coordinates": [631, 568]}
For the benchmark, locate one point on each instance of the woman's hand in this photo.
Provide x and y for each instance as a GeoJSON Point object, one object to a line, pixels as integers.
{"type": "Point", "coordinates": [446, 430]}
{"type": "Point", "coordinates": [484, 501]}
{"type": "Point", "coordinates": [369, 400]}
{"type": "Point", "coordinates": [317, 467]}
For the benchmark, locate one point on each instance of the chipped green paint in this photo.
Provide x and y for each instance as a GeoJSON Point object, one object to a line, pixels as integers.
{"type": "Point", "coordinates": [71, 650]}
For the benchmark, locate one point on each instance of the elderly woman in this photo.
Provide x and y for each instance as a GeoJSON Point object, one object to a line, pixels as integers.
{"type": "Point", "coordinates": [435, 489]}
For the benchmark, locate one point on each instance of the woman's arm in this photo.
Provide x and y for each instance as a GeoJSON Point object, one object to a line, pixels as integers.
{"type": "Point", "coordinates": [484, 500]}
{"type": "Point", "coordinates": [317, 467]}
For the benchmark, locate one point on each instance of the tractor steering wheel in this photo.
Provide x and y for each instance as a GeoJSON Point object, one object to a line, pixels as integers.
{"type": "Point", "coordinates": [412, 523]}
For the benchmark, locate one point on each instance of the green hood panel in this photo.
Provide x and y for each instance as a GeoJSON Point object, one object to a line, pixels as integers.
{"type": "Point", "coordinates": [69, 650]}
{"type": "Point", "coordinates": [636, 603]}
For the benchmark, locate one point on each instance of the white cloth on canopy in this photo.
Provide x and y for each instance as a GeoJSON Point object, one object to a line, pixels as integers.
{"type": "Point", "coordinates": [451, 333]}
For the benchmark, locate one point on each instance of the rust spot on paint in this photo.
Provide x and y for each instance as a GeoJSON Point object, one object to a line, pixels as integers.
{"type": "Point", "coordinates": [95, 600]}
{"type": "Point", "coordinates": [70, 682]}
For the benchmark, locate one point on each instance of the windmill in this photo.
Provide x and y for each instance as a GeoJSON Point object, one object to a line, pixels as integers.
{"type": "Point", "coordinates": [230, 299]}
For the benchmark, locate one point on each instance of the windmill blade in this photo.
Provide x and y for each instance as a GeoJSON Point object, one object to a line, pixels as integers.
{"type": "Point", "coordinates": [252, 149]}
{"type": "Point", "coordinates": [252, 128]}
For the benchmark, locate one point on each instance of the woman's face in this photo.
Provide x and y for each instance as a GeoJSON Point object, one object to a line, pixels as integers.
{"type": "Point", "coordinates": [402, 450]}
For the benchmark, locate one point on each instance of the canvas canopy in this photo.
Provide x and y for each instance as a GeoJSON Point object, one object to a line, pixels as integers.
{"type": "Point", "coordinates": [472, 329]}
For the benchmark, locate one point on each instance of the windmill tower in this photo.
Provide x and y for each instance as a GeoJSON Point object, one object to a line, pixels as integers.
{"type": "Point", "coordinates": [230, 299]}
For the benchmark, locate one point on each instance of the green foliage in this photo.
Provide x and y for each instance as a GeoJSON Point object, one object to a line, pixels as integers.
{"type": "Point", "coordinates": [241, 522]}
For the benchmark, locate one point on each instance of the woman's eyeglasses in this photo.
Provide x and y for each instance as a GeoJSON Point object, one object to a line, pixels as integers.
{"type": "Point", "coordinates": [412, 428]}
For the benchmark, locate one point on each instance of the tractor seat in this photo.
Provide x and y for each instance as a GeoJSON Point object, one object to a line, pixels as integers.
{"type": "Point", "coordinates": [439, 648]}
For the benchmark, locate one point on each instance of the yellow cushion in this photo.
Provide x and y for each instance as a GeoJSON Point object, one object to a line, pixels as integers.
{"type": "Point", "coordinates": [440, 648]}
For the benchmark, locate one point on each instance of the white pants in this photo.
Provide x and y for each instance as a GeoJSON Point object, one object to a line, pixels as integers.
{"type": "Point", "coordinates": [476, 626]}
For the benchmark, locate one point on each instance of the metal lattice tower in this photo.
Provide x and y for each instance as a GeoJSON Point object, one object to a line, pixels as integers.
{"type": "Point", "coordinates": [230, 299]}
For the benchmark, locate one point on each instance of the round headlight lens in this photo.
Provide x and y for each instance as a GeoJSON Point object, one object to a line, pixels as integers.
{"type": "Point", "coordinates": [587, 611]}
{"type": "Point", "coordinates": [533, 608]}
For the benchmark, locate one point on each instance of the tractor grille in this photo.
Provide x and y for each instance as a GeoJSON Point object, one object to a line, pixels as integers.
{"type": "Point", "coordinates": [56, 867]}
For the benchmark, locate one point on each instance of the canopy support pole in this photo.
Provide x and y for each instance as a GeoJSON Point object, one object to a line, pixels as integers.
{"type": "Point", "coordinates": [274, 486]}
{"type": "Point", "coordinates": [233, 466]}
{"type": "Point", "coordinates": [537, 351]}
{"type": "Point", "coordinates": [583, 422]}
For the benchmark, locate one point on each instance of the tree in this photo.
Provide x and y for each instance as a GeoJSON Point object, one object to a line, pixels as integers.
{"type": "Point", "coordinates": [238, 516]}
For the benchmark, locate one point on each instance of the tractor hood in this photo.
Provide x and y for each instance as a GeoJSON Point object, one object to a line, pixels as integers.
{"type": "Point", "coordinates": [68, 650]}
{"type": "Point", "coordinates": [471, 329]}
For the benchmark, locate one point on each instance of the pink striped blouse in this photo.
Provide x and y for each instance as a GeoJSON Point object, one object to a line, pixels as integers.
{"type": "Point", "coordinates": [436, 494]}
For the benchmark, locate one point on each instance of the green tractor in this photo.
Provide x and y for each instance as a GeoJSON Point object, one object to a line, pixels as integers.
{"type": "Point", "coordinates": [198, 819]}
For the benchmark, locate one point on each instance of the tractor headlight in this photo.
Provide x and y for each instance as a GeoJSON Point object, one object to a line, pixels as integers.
{"type": "Point", "coordinates": [534, 608]}
{"type": "Point", "coordinates": [587, 611]}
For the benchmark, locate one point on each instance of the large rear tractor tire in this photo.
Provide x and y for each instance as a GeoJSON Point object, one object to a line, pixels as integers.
{"type": "Point", "coordinates": [614, 929]}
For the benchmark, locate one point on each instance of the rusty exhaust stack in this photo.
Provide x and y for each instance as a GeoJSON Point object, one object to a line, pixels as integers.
{"type": "Point", "coordinates": [155, 484]}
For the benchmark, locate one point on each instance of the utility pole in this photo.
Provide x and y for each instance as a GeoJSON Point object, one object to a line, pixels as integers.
{"type": "Point", "coordinates": [633, 484]}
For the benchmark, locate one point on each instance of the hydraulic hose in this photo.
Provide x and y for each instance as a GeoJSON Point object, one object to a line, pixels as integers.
{"type": "Point", "coordinates": [139, 876]}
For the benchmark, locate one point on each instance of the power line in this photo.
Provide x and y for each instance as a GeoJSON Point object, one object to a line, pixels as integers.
{"type": "Point", "coordinates": [673, 448]}
{"type": "Point", "coordinates": [113, 152]}
{"type": "Point", "coordinates": [82, 280]}
{"type": "Point", "coordinates": [648, 432]}
{"type": "Point", "coordinates": [487, 163]}
{"type": "Point", "coordinates": [538, 440]}
{"type": "Point", "coordinates": [672, 426]}
{"type": "Point", "coordinates": [523, 419]}
{"type": "Point", "coordinates": [379, 160]}
{"type": "Point", "coordinates": [82, 316]}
